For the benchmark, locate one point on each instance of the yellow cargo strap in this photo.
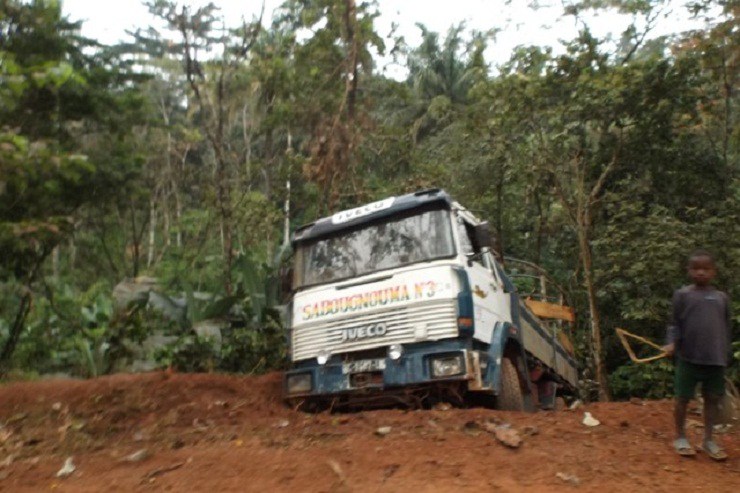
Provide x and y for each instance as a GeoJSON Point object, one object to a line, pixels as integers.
{"type": "Point", "coordinates": [623, 335]}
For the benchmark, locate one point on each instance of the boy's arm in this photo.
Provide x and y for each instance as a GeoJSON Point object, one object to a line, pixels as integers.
{"type": "Point", "coordinates": [673, 335]}
{"type": "Point", "coordinates": [728, 313]}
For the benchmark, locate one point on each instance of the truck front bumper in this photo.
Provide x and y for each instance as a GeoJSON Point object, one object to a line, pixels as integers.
{"type": "Point", "coordinates": [419, 366]}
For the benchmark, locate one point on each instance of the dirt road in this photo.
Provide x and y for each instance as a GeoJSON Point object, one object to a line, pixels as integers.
{"type": "Point", "coordinates": [160, 432]}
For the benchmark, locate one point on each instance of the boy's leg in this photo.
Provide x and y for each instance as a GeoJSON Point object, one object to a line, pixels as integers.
{"type": "Point", "coordinates": [711, 408]}
{"type": "Point", "coordinates": [679, 414]}
{"type": "Point", "coordinates": [713, 389]}
{"type": "Point", "coordinates": [683, 385]}
{"type": "Point", "coordinates": [681, 443]}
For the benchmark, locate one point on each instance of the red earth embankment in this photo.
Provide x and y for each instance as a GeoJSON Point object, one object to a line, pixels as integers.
{"type": "Point", "coordinates": [232, 433]}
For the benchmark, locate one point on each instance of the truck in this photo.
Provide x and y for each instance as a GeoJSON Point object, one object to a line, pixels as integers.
{"type": "Point", "coordinates": [405, 301]}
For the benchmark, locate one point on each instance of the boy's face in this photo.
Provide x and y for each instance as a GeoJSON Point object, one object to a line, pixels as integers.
{"type": "Point", "coordinates": [701, 270]}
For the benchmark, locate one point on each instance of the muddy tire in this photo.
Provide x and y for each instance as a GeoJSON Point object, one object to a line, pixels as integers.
{"type": "Point", "coordinates": [511, 397]}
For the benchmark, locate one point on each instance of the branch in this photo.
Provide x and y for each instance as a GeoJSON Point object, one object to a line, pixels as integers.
{"type": "Point", "coordinates": [248, 41]}
{"type": "Point", "coordinates": [599, 185]}
{"type": "Point", "coordinates": [559, 190]}
{"type": "Point", "coordinates": [649, 25]}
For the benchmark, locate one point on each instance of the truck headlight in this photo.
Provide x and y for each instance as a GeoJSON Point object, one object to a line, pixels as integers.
{"type": "Point", "coordinates": [447, 366]}
{"type": "Point", "coordinates": [299, 383]}
{"type": "Point", "coordinates": [323, 357]}
{"type": "Point", "coordinates": [395, 351]}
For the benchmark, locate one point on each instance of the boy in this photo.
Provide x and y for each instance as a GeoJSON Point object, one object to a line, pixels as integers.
{"type": "Point", "coordinates": [699, 336]}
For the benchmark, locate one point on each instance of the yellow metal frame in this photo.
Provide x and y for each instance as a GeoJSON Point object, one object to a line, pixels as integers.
{"type": "Point", "coordinates": [550, 310]}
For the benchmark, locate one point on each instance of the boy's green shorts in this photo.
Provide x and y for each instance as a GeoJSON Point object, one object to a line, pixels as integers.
{"type": "Point", "coordinates": [712, 379]}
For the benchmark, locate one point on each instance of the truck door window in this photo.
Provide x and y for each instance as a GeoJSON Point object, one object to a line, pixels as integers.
{"type": "Point", "coordinates": [467, 245]}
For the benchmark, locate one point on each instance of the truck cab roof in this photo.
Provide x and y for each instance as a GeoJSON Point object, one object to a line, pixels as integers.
{"type": "Point", "coordinates": [370, 212]}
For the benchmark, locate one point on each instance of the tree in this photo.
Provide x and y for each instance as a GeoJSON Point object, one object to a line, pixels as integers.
{"type": "Point", "coordinates": [330, 69]}
{"type": "Point", "coordinates": [51, 92]}
{"type": "Point", "coordinates": [212, 83]}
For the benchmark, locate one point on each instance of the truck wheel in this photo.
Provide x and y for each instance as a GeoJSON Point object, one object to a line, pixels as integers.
{"type": "Point", "coordinates": [511, 397]}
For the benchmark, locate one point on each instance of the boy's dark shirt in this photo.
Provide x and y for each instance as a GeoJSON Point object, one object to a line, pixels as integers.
{"type": "Point", "coordinates": [700, 325]}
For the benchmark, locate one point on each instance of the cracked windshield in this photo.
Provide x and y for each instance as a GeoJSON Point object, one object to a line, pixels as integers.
{"type": "Point", "coordinates": [379, 246]}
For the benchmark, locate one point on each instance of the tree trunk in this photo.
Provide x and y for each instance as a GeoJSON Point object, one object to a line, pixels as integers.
{"type": "Point", "coordinates": [247, 138]}
{"type": "Point", "coordinates": [587, 264]}
{"type": "Point", "coordinates": [286, 210]}
{"type": "Point", "coordinates": [16, 329]}
{"type": "Point", "coordinates": [55, 263]}
{"type": "Point", "coordinates": [223, 197]}
{"type": "Point", "coordinates": [178, 218]}
{"type": "Point", "coordinates": [135, 251]}
{"type": "Point", "coordinates": [350, 19]}
{"type": "Point", "coordinates": [72, 253]}
{"type": "Point", "coordinates": [152, 232]}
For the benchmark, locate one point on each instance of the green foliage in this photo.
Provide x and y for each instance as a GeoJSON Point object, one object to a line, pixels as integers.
{"type": "Point", "coordinates": [242, 350]}
{"type": "Point", "coordinates": [649, 381]}
{"type": "Point", "coordinates": [252, 336]}
{"type": "Point", "coordinates": [108, 174]}
{"type": "Point", "coordinates": [190, 353]}
{"type": "Point", "coordinates": [49, 91]}
{"type": "Point", "coordinates": [80, 332]}
{"type": "Point", "coordinates": [43, 187]}
{"type": "Point", "coordinates": [733, 372]}
{"type": "Point", "coordinates": [255, 349]}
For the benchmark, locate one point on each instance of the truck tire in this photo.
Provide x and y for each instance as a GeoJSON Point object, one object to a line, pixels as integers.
{"type": "Point", "coordinates": [511, 397]}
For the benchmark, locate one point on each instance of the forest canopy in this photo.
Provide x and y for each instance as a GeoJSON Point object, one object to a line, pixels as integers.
{"type": "Point", "coordinates": [184, 156]}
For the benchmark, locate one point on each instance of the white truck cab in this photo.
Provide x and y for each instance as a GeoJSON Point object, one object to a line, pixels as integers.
{"type": "Point", "coordinates": [402, 300]}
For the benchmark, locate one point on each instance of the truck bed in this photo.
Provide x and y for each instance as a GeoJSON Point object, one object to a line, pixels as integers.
{"type": "Point", "coordinates": [545, 345]}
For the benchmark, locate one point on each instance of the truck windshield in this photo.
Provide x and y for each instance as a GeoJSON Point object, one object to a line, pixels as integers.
{"type": "Point", "coordinates": [395, 242]}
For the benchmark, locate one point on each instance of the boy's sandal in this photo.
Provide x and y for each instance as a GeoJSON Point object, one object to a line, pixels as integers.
{"type": "Point", "coordinates": [683, 447]}
{"type": "Point", "coordinates": [714, 451]}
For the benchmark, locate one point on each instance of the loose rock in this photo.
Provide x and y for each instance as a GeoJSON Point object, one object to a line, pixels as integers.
{"type": "Point", "coordinates": [472, 428]}
{"type": "Point", "coordinates": [505, 434]}
{"type": "Point", "coordinates": [508, 436]}
{"type": "Point", "coordinates": [575, 405]}
{"type": "Point", "coordinates": [589, 420]}
{"type": "Point", "coordinates": [530, 431]}
{"type": "Point", "coordinates": [383, 431]}
{"type": "Point", "coordinates": [67, 469]}
{"type": "Point", "coordinates": [138, 456]}
{"type": "Point", "coordinates": [334, 465]}
{"type": "Point", "coordinates": [568, 478]}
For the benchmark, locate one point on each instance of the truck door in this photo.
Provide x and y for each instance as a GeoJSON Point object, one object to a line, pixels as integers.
{"type": "Point", "coordinates": [489, 300]}
{"type": "Point", "coordinates": [500, 301]}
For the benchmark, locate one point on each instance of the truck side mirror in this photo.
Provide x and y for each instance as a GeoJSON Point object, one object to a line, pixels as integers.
{"type": "Point", "coordinates": [482, 234]}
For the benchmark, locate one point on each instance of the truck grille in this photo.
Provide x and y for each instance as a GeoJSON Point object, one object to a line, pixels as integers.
{"type": "Point", "coordinates": [435, 319]}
